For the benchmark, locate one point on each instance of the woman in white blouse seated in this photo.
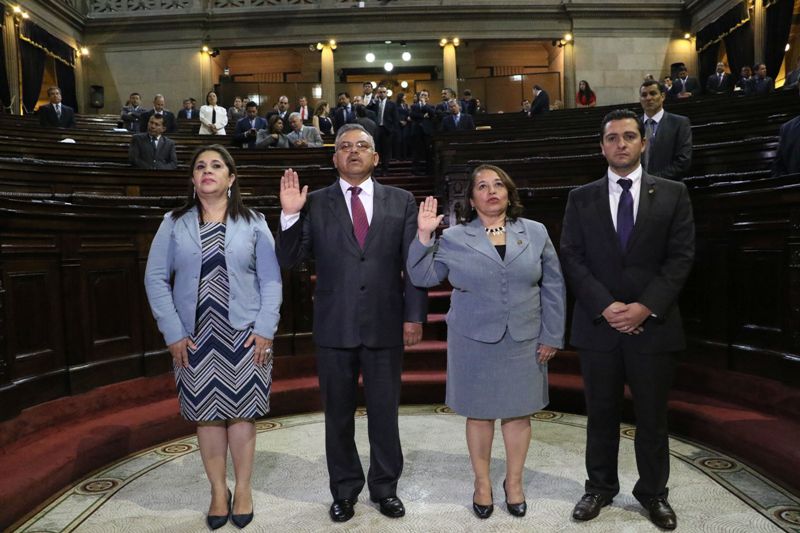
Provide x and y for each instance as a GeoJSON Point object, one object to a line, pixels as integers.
{"type": "Point", "coordinates": [213, 118]}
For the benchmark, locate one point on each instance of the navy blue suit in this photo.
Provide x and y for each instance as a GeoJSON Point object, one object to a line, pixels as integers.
{"type": "Point", "coordinates": [240, 134]}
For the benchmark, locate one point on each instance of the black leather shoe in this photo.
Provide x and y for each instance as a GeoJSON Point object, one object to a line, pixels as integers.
{"type": "Point", "coordinates": [589, 506]}
{"type": "Point", "coordinates": [516, 509]}
{"type": "Point", "coordinates": [342, 510]}
{"type": "Point", "coordinates": [391, 506]}
{"type": "Point", "coordinates": [241, 520]}
{"type": "Point", "coordinates": [217, 521]}
{"type": "Point", "coordinates": [482, 511]}
{"type": "Point", "coordinates": [661, 514]}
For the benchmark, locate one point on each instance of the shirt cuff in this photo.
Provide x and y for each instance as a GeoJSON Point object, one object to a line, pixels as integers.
{"type": "Point", "coordinates": [288, 221]}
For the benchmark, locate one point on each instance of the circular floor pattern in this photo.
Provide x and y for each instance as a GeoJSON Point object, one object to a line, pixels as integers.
{"type": "Point", "coordinates": [163, 489]}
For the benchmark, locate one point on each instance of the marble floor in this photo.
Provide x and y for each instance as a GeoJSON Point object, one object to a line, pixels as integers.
{"type": "Point", "coordinates": [163, 489]}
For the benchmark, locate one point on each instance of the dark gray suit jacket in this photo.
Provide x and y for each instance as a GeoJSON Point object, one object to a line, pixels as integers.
{"type": "Point", "coordinates": [142, 155]}
{"type": "Point", "coordinates": [787, 158]}
{"type": "Point", "coordinates": [651, 271]}
{"type": "Point", "coordinates": [362, 297]}
{"type": "Point", "coordinates": [669, 155]}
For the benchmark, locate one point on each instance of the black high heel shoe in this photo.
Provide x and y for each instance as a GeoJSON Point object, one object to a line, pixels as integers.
{"type": "Point", "coordinates": [516, 509]}
{"type": "Point", "coordinates": [217, 521]}
{"type": "Point", "coordinates": [241, 520]}
{"type": "Point", "coordinates": [482, 511]}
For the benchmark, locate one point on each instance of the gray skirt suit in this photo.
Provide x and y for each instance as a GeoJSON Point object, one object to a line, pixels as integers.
{"type": "Point", "coordinates": [501, 310]}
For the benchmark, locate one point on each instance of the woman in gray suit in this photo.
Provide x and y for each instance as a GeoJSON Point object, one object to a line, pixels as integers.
{"type": "Point", "coordinates": [506, 321]}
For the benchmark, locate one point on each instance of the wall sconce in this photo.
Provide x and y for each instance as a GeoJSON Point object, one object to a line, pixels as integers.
{"type": "Point", "coordinates": [19, 13]}
{"type": "Point", "coordinates": [83, 52]}
{"type": "Point", "coordinates": [561, 43]}
{"type": "Point", "coordinates": [455, 41]}
{"type": "Point", "coordinates": [213, 52]}
{"type": "Point", "coordinates": [687, 36]}
{"type": "Point", "coordinates": [319, 46]}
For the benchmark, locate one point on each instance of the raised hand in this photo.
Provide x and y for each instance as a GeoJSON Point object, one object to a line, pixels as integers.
{"type": "Point", "coordinates": [427, 219]}
{"type": "Point", "coordinates": [292, 197]}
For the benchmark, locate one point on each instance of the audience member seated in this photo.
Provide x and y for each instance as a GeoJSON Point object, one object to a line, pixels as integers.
{"type": "Point", "coordinates": [321, 119]}
{"type": "Point", "coordinates": [213, 118]}
{"type": "Point", "coordinates": [720, 82]}
{"type": "Point", "coordinates": [457, 120]}
{"type": "Point", "coordinates": [684, 86]}
{"type": "Point", "coordinates": [760, 83]}
{"type": "Point", "coordinates": [274, 138]}
{"type": "Point", "coordinates": [359, 100]}
{"type": "Point", "coordinates": [668, 152]}
{"type": "Point", "coordinates": [132, 112]}
{"type": "Point", "coordinates": [302, 108]}
{"type": "Point", "coordinates": [585, 96]}
{"type": "Point", "coordinates": [282, 110]}
{"type": "Point", "coordinates": [237, 111]}
{"type": "Point", "coordinates": [188, 112]}
{"type": "Point", "coordinates": [793, 77]}
{"type": "Point", "coordinates": [479, 109]}
{"type": "Point", "coordinates": [526, 107]}
{"type": "Point", "coordinates": [667, 83]}
{"type": "Point", "coordinates": [303, 136]}
{"type": "Point", "coordinates": [541, 101]}
{"type": "Point", "coordinates": [246, 133]}
{"type": "Point", "coordinates": [787, 157]}
{"type": "Point", "coordinates": [159, 103]}
{"type": "Point", "coordinates": [55, 114]}
{"type": "Point", "coordinates": [344, 112]}
{"type": "Point", "coordinates": [366, 122]}
{"type": "Point", "coordinates": [152, 150]}
{"type": "Point", "coordinates": [743, 83]}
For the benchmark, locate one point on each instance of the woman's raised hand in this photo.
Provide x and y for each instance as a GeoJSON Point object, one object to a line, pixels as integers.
{"type": "Point", "coordinates": [427, 219]}
{"type": "Point", "coordinates": [292, 197]}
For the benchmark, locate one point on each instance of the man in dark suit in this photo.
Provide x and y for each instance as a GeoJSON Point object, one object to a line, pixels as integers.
{"type": "Point", "coordinates": [302, 108]}
{"type": "Point", "coordinates": [457, 120]}
{"type": "Point", "coordinates": [720, 82]}
{"type": "Point", "coordinates": [388, 120]}
{"type": "Point", "coordinates": [421, 115]}
{"type": "Point", "coordinates": [787, 157]}
{"type": "Point", "coordinates": [760, 83]}
{"type": "Point", "coordinates": [684, 86]}
{"type": "Point", "coordinates": [152, 150]}
{"type": "Point", "coordinates": [282, 110]}
{"type": "Point", "coordinates": [55, 114]}
{"type": "Point", "coordinates": [669, 137]}
{"type": "Point", "coordinates": [627, 247]}
{"type": "Point", "coordinates": [541, 101]}
{"type": "Point", "coordinates": [158, 110]}
{"type": "Point", "coordinates": [344, 112]}
{"type": "Point", "coordinates": [188, 112]}
{"type": "Point", "coordinates": [365, 309]}
{"type": "Point", "coordinates": [247, 127]}
{"type": "Point", "coordinates": [132, 113]}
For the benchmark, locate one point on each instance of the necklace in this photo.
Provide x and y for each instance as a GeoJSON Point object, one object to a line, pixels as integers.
{"type": "Point", "coordinates": [495, 231]}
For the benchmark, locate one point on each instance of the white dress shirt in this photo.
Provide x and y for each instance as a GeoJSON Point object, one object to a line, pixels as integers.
{"type": "Point", "coordinates": [366, 196]}
{"type": "Point", "coordinates": [615, 191]}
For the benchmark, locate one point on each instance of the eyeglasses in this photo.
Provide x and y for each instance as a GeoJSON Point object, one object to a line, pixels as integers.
{"type": "Point", "coordinates": [360, 146]}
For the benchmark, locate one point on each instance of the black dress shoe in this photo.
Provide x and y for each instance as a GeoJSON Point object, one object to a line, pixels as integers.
{"type": "Point", "coordinates": [241, 520]}
{"type": "Point", "coordinates": [516, 509]}
{"type": "Point", "coordinates": [482, 511]}
{"type": "Point", "coordinates": [589, 506]}
{"type": "Point", "coordinates": [661, 514]}
{"type": "Point", "coordinates": [217, 521]}
{"type": "Point", "coordinates": [342, 510]}
{"type": "Point", "coordinates": [391, 506]}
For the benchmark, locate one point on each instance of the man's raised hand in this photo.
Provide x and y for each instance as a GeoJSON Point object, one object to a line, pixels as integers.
{"type": "Point", "coordinates": [292, 197]}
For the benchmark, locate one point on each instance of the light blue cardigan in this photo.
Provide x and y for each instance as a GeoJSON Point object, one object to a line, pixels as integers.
{"type": "Point", "coordinates": [253, 273]}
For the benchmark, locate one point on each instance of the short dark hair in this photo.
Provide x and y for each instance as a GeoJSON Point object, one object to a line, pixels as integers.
{"type": "Point", "coordinates": [134, 94]}
{"type": "Point", "coordinates": [52, 89]}
{"type": "Point", "coordinates": [156, 117]}
{"type": "Point", "coordinates": [621, 114]}
{"type": "Point", "coordinates": [236, 207]}
{"type": "Point", "coordinates": [515, 207]}
{"type": "Point", "coordinates": [251, 104]}
{"type": "Point", "coordinates": [345, 93]}
{"type": "Point", "coordinates": [647, 83]}
{"type": "Point", "coordinates": [273, 120]}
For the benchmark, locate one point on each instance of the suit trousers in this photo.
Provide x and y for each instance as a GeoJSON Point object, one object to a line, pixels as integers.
{"type": "Point", "coordinates": [338, 370]}
{"type": "Point", "coordinates": [385, 142]}
{"type": "Point", "coordinates": [649, 377]}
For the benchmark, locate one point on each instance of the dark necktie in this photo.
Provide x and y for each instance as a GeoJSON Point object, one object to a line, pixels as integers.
{"type": "Point", "coordinates": [58, 110]}
{"type": "Point", "coordinates": [360, 222]}
{"type": "Point", "coordinates": [214, 116]}
{"type": "Point", "coordinates": [154, 142]}
{"type": "Point", "coordinates": [625, 213]}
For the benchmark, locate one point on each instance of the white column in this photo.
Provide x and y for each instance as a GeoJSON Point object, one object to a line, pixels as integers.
{"type": "Point", "coordinates": [12, 63]}
{"type": "Point", "coordinates": [759, 30]}
{"type": "Point", "coordinates": [328, 76]}
{"type": "Point", "coordinates": [449, 64]}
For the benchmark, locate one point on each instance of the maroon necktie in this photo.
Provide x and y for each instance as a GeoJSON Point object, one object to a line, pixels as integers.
{"type": "Point", "coordinates": [360, 222]}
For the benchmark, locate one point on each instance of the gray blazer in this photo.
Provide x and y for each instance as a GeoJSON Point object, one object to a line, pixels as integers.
{"type": "Point", "coordinates": [253, 273]}
{"type": "Point", "coordinates": [523, 293]}
{"type": "Point", "coordinates": [310, 134]}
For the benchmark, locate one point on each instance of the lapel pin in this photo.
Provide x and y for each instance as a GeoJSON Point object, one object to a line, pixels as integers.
{"type": "Point", "coordinates": [519, 243]}
{"type": "Point", "coordinates": [651, 191]}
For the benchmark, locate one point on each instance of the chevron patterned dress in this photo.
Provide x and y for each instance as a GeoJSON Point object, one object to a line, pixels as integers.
{"type": "Point", "coordinates": [222, 381]}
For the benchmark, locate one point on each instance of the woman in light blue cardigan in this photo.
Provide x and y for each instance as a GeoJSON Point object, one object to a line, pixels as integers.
{"type": "Point", "coordinates": [214, 286]}
{"type": "Point", "coordinates": [506, 321]}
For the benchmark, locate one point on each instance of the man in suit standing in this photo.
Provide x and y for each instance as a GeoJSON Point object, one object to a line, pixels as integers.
{"type": "Point", "coordinates": [787, 157]}
{"type": "Point", "coordinates": [344, 112]}
{"type": "Point", "coordinates": [303, 136]}
{"type": "Point", "coordinates": [684, 86]}
{"type": "Point", "coordinates": [541, 101]}
{"type": "Point", "coordinates": [421, 115]}
{"type": "Point", "coordinates": [282, 110]}
{"type": "Point", "coordinates": [302, 108]}
{"type": "Point", "coordinates": [152, 150]}
{"type": "Point", "coordinates": [760, 83]}
{"type": "Point", "coordinates": [669, 137]}
{"type": "Point", "coordinates": [247, 127]}
{"type": "Point", "coordinates": [720, 82]}
{"type": "Point", "coordinates": [365, 309]}
{"type": "Point", "coordinates": [132, 112]}
{"type": "Point", "coordinates": [368, 95]}
{"type": "Point", "coordinates": [158, 110]}
{"type": "Point", "coordinates": [627, 247]}
{"type": "Point", "coordinates": [388, 120]}
{"type": "Point", "coordinates": [457, 120]}
{"type": "Point", "coordinates": [188, 112]}
{"type": "Point", "coordinates": [55, 114]}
